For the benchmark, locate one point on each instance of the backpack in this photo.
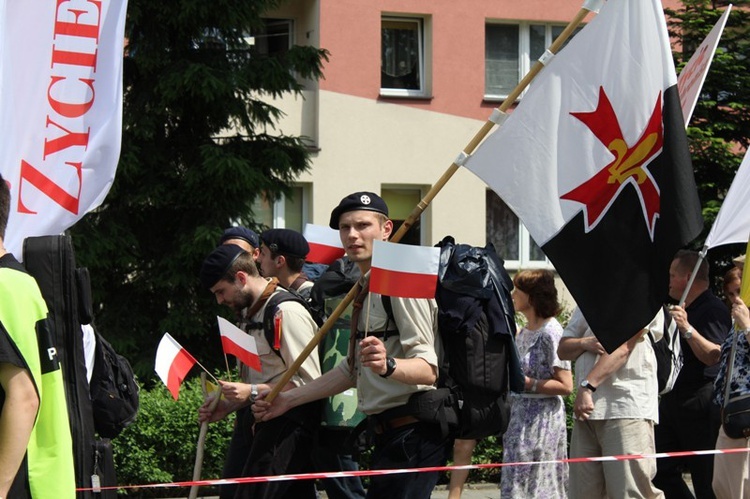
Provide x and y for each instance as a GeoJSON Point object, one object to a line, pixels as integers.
{"type": "Point", "coordinates": [340, 411]}
{"type": "Point", "coordinates": [114, 390]}
{"type": "Point", "coordinates": [268, 325]}
{"type": "Point", "coordinates": [476, 322]}
{"type": "Point", "coordinates": [668, 351]}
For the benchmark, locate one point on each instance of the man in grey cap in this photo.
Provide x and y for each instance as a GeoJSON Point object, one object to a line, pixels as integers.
{"type": "Point", "coordinates": [392, 367]}
{"type": "Point", "coordinates": [281, 329]}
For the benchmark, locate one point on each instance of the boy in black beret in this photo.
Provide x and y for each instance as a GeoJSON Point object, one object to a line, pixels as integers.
{"type": "Point", "coordinates": [282, 255]}
{"type": "Point", "coordinates": [243, 237]}
{"type": "Point", "coordinates": [391, 372]}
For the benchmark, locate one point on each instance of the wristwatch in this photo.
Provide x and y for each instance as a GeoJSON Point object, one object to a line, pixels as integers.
{"type": "Point", "coordinates": [253, 393]}
{"type": "Point", "coordinates": [585, 384]}
{"type": "Point", "coordinates": [390, 366]}
{"type": "Point", "coordinates": [688, 333]}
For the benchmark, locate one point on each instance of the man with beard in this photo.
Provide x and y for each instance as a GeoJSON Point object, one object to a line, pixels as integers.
{"type": "Point", "coordinates": [281, 446]}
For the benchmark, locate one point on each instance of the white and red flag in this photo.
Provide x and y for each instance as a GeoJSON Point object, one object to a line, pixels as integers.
{"type": "Point", "coordinates": [595, 163]}
{"type": "Point", "coordinates": [404, 270]}
{"type": "Point", "coordinates": [732, 224]}
{"type": "Point", "coordinates": [236, 342]}
{"type": "Point", "coordinates": [172, 363]}
{"type": "Point", "coordinates": [694, 73]}
{"type": "Point", "coordinates": [60, 110]}
{"type": "Point", "coordinates": [325, 244]}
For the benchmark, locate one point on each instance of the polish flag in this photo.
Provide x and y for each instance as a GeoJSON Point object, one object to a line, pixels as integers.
{"type": "Point", "coordinates": [404, 270]}
{"type": "Point", "coordinates": [238, 343]}
{"type": "Point", "coordinates": [325, 244]}
{"type": "Point", "coordinates": [172, 363]}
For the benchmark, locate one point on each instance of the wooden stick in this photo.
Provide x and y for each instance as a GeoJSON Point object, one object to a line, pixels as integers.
{"type": "Point", "coordinates": [424, 203]}
{"type": "Point", "coordinates": [197, 467]}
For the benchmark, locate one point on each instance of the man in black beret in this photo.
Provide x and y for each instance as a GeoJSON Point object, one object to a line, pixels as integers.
{"type": "Point", "coordinates": [392, 371]}
{"type": "Point", "coordinates": [282, 328]}
{"type": "Point", "coordinates": [282, 255]}
{"type": "Point", "coordinates": [243, 237]}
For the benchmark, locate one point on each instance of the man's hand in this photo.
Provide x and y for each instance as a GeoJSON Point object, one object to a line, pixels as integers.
{"type": "Point", "coordinates": [679, 315]}
{"type": "Point", "coordinates": [372, 354]}
{"type": "Point", "coordinates": [221, 411]}
{"type": "Point", "coordinates": [584, 404]}
{"type": "Point", "coordinates": [236, 392]}
{"type": "Point", "coordinates": [591, 344]}
{"type": "Point", "coordinates": [264, 410]}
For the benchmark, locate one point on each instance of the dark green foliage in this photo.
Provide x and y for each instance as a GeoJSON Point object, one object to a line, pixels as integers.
{"type": "Point", "coordinates": [161, 445]}
{"type": "Point", "coordinates": [719, 130]}
{"type": "Point", "coordinates": [196, 154]}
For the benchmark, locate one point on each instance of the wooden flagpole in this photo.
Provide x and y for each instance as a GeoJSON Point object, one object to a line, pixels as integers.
{"type": "Point", "coordinates": [198, 466]}
{"type": "Point", "coordinates": [589, 6]}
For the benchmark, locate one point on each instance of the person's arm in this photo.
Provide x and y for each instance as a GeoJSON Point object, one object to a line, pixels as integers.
{"type": "Point", "coordinates": [561, 383]}
{"type": "Point", "coordinates": [741, 315]}
{"type": "Point", "coordinates": [334, 381]}
{"type": "Point", "coordinates": [602, 370]}
{"type": "Point", "coordinates": [704, 349]}
{"type": "Point", "coordinates": [414, 371]}
{"type": "Point", "coordinates": [575, 342]}
{"type": "Point", "coordinates": [16, 421]}
{"type": "Point", "coordinates": [572, 348]}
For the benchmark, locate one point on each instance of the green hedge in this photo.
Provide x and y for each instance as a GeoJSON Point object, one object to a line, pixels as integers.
{"type": "Point", "coordinates": [161, 445]}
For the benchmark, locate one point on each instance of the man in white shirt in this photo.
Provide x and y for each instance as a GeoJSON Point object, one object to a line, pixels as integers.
{"type": "Point", "coordinates": [615, 411]}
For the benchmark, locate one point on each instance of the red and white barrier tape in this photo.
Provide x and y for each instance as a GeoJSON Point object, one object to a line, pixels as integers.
{"type": "Point", "coordinates": [341, 474]}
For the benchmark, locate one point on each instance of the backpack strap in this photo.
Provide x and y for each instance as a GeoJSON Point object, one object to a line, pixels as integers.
{"type": "Point", "coordinates": [386, 332]}
{"type": "Point", "coordinates": [272, 330]}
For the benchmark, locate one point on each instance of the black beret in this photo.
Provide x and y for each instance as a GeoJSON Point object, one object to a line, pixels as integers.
{"type": "Point", "coordinates": [286, 242]}
{"type": "Point", "coordinates": [216, 264]}
{"type": "Point", "coordinates": [368, 201]}
{"type": "Point", "coordinates": [240, 233]}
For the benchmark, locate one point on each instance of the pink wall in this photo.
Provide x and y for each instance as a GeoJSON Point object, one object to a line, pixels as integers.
{"type": "Point", "coordinates": [350, 30]}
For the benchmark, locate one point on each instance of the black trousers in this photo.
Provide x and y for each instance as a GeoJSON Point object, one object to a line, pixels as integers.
{"type": "Point", "coordinates": [282, 446]}
{"type": "Point", "coordinates": [688, 420]}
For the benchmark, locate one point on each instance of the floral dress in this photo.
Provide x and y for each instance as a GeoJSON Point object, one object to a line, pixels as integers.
{"type": "Point", "coordinates": [537, 423]}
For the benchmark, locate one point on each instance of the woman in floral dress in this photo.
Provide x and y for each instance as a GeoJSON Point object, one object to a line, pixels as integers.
{"type": "Point", "coordinates": [537, 420]}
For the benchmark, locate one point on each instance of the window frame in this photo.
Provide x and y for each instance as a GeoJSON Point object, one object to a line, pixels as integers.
{"type": "Point", "coordinates": [525, 61]}
{"type": "Point", "coordinates": [424, 87]}
{"type": "Point", "coordinates": [523, 245]}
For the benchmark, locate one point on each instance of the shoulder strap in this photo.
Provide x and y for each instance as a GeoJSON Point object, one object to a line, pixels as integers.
{"type": "Point", "coordinates": [271, 332]}
{"type": "Point", "coordinates": [387, 331]}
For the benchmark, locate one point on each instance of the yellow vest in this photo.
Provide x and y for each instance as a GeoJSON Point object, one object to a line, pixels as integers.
{"type": "Point", "coordinates": [23, 313]}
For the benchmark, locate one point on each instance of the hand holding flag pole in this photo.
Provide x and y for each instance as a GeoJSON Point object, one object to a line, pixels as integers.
{"type": "Point", "coordinates": [198, 466]}
{"type": "Point", "coordinates": [496, 118]}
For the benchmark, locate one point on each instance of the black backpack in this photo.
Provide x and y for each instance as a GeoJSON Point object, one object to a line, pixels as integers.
{"type": "Point", "coordinates": [668, 351]}
{"type": "Point", "coordinates": [269, 313]}
{"type": "Point", "coordinates": [114, 390]}
{"type": "Point", "coordinates": [476, 322]}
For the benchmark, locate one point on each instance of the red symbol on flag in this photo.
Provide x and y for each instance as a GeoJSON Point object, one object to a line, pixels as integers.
{"type": "Point", "coordinates": [629, 166]}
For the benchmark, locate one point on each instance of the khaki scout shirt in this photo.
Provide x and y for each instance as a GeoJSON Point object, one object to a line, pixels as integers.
{"type": "Point", "coordinates": [416, 321]}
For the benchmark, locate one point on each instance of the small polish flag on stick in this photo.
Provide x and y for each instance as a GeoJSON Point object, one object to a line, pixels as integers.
{"type": "Point", "coordinates": [403, 270]}
{"type": "Point", "coordinates": [238, 343]}
{"type": "Point", "coordinates": [172, 363]}
{"type": "Point", "coordinates": [325, 244]}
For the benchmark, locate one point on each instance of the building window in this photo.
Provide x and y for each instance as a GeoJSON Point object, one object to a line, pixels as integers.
{"type": "Point", "coordinates": [288, 212]}
{"type": "Point", "coordinates": [510, 50]}
{"type": "Point", "coordinates": [274, 39]}
{"type": "Point", "coordinates": [510, 238]}
{"type": "Point", "coordinates": [402, 62]}
{"type": "Point", "coordinates": [401, 202]}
